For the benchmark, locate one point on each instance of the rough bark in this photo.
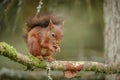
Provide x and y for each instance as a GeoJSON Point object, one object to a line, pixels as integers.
{"type": "Point", "coordinates": [30, 61]}
{"type": "Point", "coordinates": [112, 32]}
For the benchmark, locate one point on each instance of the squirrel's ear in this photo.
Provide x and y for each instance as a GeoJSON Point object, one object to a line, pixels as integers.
{"type": "Point", "coordinates": [50, 25]}
{"type": "Point", "coordinates": [62, 25]}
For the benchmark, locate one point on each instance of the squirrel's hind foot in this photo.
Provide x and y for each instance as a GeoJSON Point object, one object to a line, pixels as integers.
{"type": "Point", "coordinates": [49, 58]}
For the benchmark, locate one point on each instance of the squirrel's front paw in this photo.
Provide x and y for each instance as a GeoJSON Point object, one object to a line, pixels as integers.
{"type": "Point", "coordinates": [57, 50]}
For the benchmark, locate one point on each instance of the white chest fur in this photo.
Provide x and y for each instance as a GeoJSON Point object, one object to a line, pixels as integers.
{"type": "Point", "coordinates": [43, 51]}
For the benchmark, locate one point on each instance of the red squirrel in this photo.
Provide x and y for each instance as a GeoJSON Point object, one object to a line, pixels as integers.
{"type": "Point", "coordinates": [43, 35]}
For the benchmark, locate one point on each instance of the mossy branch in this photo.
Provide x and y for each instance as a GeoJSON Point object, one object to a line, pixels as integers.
{"type": "Point", "coordinates": [30, 61]}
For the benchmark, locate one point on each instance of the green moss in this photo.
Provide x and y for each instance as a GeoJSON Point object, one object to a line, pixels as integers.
{"type": "Point", "coordinates": [93, 68]}
{"type": "Point", "coordinates": [36, 61]}
{"type": "Point", "coordinates": [8, 51]}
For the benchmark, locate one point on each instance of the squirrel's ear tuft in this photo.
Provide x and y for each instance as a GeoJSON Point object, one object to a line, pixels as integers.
{"type": "Point", "coordinates": [62, 25]}
{"type": "Point", "coordinates": [50, 25]}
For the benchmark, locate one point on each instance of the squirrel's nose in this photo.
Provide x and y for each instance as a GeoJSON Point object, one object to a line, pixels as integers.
{"type": "Point", "coordinates": [58, 42]}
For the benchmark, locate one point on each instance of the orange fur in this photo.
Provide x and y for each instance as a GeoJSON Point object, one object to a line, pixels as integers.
{"type": "Point", "coordinates": [43, 36]}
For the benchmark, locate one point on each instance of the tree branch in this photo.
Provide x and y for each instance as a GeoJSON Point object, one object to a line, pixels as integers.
{"type": "Point", "coordinates": [11, 74]}
{"type": "Point", "coordinates": [30, 61]}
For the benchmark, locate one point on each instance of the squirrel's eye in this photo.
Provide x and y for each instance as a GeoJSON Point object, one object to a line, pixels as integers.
{"type": "Point", "coordinates": [53, 34]}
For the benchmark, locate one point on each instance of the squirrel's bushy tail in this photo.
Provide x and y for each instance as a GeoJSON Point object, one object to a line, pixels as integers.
{"type": "Point", "coordinates": [42, 20]}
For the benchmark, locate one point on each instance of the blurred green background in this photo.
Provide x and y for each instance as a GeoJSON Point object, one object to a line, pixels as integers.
{"type": "Point", "coordinates": [83, 31]}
